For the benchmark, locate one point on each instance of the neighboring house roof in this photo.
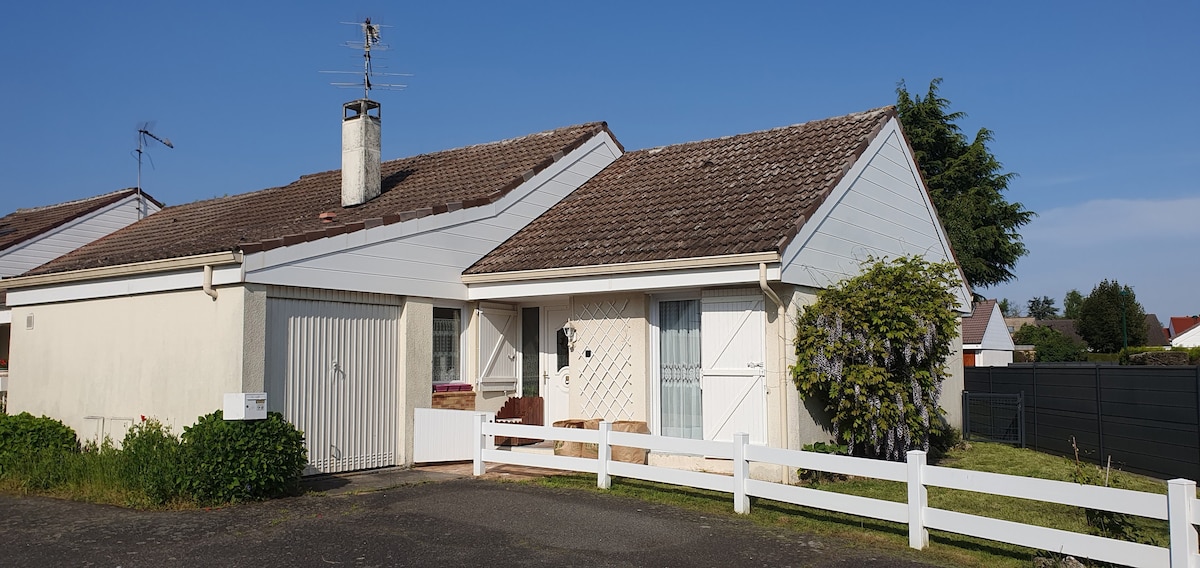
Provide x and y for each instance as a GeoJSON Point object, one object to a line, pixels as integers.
{"type": "Point", "coordinates": [1180, 324]}
{"type": "Point", "coordinates": [975, 325]}
{"type": "Point", "coordinates": [747, 193]}
{"type": "Point", "coordinates": [412, 187]}
{"type": "Point", "coordinates": [1154, 332]}
{"type": "Point", "coordinates": [985, 328]}
{"type": "Point", "coordinates": [1063, 326]}
{"type": "Point", "coordinates": [25, 224]}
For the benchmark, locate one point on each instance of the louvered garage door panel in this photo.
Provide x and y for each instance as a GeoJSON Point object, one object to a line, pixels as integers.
{"type": "Point", "coordinates": [332, 371]}
{"type": "Point", "coordinates": [734, 396]}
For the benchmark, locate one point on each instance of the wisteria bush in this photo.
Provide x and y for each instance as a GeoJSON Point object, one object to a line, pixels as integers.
{"type": "Point", "coordinates": [873, 350]}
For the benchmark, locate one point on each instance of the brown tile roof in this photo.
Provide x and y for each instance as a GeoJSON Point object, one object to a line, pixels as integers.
{"type": "Point", "coordinates": [412, 187]}
{"type": "Point", "coordinates": [25, 224]}
{"type": "Point", "coordinates": [1154, 332]}
{"type": "Point", "coordinates": [975, 325]}
{"type": "Point", "coordinates": [739, 194]}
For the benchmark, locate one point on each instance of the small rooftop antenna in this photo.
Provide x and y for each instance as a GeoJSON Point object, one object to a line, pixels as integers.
{"type": "Point", "coordinates": [370, 42]}
{"type": "Point", "coordinates": [143, 133]}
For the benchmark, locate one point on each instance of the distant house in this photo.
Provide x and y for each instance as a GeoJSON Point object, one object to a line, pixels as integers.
{"type": "Point", "coordinates": [32, 237]}
{"type": "Point", "coordinates": [652, 285]}
{"type": "Point", "coordinates": [1154, 332]}
{"type": "Point", "coordinates": [1189, 337]}
{"type": "Point", "coordinates": [985, 337]}
{"type": "Point", "coordinates": [1180, 324]}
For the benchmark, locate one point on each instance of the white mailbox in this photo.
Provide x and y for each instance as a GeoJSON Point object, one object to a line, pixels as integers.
{"type": "Point", "coordinates": [245, 406]}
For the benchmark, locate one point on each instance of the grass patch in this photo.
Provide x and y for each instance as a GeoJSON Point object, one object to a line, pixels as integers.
{"type": "Point", "coordinates": [947, 548]}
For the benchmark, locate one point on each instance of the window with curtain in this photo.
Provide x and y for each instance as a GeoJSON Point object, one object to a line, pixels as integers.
{"type": "Point", "coordinates": [679, 368]}
{"type": "Point", "coordinates": [447, 333]}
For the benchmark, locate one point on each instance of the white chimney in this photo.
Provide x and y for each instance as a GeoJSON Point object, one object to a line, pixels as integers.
{"type": "Point", "coordinates": [360, 152]}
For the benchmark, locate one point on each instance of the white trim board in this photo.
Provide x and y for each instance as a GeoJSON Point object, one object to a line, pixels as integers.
{"type": "Point", "coordinates": [426, 256]}
{"type": "Point", "coordinates": [124, 286]}
{"type": "Point", "coordinates": [636, 282]}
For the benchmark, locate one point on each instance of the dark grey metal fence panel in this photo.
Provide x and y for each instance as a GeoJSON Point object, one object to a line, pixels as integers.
{"type": "Point", "coordinates": [1146, 418]}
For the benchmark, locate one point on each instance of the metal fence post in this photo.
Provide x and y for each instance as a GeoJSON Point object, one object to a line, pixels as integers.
{"type": "Point", "coordinates": [480, 442]}
{"type": "Point", "coordinates": [603, 456]}
{"type": "Point", "coordinates": [741, 472]}
{"type": "Point", "coordinates": [966, 412]}
{"type": "Point", "coordinates": [1099, 418]}
{"type": "Point", "coordinates": [1181, 498]}
{"type": "Point", "coordinates": [918, 500]}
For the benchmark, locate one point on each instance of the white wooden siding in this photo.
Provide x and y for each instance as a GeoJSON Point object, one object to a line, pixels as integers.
{"type": "Point", "coordinates": [426, 256]}
{"type": "Point", "coordinates": [43, 248]}
{"type": "Point", "coordinates": [732, 356]}
{"type": "Point", "coordinates": [996, 336]}
{"type": "Point", "coordinates": [879, 209]}
{"type": "Point", "coordinates": [332, 370]}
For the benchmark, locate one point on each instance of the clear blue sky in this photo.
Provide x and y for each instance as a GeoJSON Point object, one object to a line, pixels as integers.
{"type": "Point", "coordinates": [1093, 104]}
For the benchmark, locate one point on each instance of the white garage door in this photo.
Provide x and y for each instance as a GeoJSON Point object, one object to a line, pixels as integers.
{"type": "Point", "coordinates": [332, 371]}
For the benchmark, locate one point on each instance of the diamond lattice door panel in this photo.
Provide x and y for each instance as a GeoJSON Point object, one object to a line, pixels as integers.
{"type": "Point", "coordinates": [732, 354]}
{"type": "Point", "coordinates": [607, 389]}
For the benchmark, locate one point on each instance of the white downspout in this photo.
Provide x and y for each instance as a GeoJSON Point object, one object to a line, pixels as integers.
{"type": "Point", "coordinates": [208, 287]}
{"type": "Point", "coordinates": [781, 336]}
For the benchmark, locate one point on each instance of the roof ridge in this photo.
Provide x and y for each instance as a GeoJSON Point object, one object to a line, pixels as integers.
{"type": "Point", "coordinates": [591, 129]}
{"type": "Point", "coordinates": [383, 163]}
{"type": "Point", "coordinates": [76, 201]}
{"type": "Point", "coordinates": [878, 110]}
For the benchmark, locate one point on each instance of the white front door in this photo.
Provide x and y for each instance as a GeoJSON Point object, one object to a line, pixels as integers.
{"type": "Point", "coordinates": [733, 360]}
{"type": "Point", "coordinates": [556, 364]}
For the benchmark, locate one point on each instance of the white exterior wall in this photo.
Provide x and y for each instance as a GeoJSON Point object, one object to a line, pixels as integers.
{"type": "Point", "coordinates": [426, 256]}
{"type": "Point", "coordinates": [879, 209]}
{"type": "Point", "coordinates": [43, 248]}
{"type": "Point", "coordinates": [993, 358]}
{"type": "Point", "coordinates": [1189, 338]}
{"type": "Point", "coordinates": [169, 356]}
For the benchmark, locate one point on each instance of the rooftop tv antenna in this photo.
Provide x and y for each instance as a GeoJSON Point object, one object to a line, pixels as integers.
{"type": "Point", "coordinates": [143, 139]}
{"type": "Point", "coordinates": [370, 42]}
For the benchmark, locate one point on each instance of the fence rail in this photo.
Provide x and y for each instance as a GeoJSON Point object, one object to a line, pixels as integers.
{"type": "Point", "coordinates": [1178, 507]}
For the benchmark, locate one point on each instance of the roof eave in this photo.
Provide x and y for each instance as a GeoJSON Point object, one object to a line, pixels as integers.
{"type": "Point", "coordinates": [623, 268]}
{"type": "Point", "coordinates": [120, 270]}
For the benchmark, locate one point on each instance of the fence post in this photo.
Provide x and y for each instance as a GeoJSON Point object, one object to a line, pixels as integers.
{"type": "Point", "coordinates": [480, 442]}
{"type": "Point", "coordinates": [966, 414]}
{"type": "Point", "coordinates": [1181, 497]}
{"type": "Point", "coordinates": [603, 455]}
{"type": "Point", "coordinates": [918, 499]}
{"type": "Point", "coordinates": [741, 472]}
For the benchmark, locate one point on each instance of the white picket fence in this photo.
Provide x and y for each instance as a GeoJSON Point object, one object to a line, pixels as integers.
{"type": "Point", "coordinates": [1178, 507]}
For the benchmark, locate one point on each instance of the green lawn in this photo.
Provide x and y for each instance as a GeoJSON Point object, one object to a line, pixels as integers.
{"type": "Point", "coordinates": [948, 548]}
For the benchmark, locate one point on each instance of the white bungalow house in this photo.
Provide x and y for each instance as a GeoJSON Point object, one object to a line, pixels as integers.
{"type": "Point", "coordinates": [1189, 337]}
{"type": "Point", "coordinates": [34, 236]}
{"type": "Point", "coordinates": [656, 285]}
{"type": "Point", "coordinates": [985, 337]}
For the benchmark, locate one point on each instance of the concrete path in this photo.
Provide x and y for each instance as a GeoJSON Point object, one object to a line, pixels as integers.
{"type": "Point", "coordinates": [437, 519]}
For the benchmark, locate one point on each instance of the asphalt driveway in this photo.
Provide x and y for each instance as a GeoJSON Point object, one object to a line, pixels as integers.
{"type": "Point", "coordinates": [456, 522]}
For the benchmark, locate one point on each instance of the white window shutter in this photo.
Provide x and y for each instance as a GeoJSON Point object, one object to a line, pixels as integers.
{"type": "Point", "coordinates": [499, 368]}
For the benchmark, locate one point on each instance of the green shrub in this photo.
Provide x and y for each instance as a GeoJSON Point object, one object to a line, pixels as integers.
{"type": "Point", "coordinates": [150, 461]}
{"type": "Point", "coordinates": [239, 460]}
{"type": "Point", "coordinates": [33, 450]}
{"type": "Point", "coordinates": [24, 435]}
